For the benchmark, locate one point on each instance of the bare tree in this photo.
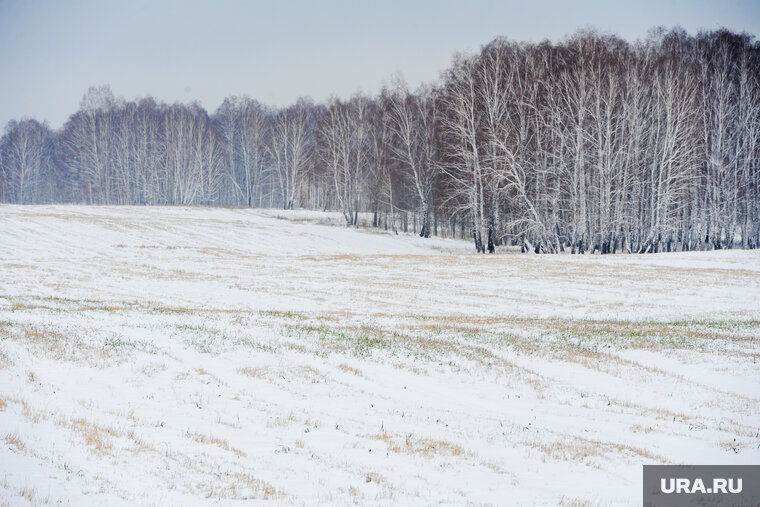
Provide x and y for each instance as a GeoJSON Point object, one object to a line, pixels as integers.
{"type": "Point", "coordinates": [24, 161]}
{"type": "Point", "coordinates": [290, 147]}
{"type": "Point", "coordinates": [460, 122]}
{"type": "Point", "coordinates": [591, 144]}
{"type": "Point", "coordinates": [412, 121]}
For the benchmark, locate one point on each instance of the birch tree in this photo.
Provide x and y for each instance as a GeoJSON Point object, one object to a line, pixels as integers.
{"type": "Point", "coordinates": [412, 121]}
{"type": "Point", "coordinates": [291, 143]}
{"type": "Point", "coordinates": [25, 162]}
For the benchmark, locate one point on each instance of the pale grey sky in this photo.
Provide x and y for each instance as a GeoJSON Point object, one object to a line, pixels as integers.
{"type": "Point", "coordinates": [275, 51]}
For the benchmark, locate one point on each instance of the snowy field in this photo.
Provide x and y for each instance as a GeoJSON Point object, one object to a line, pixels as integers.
{"type": "Point", "coordinates": [174, 356]}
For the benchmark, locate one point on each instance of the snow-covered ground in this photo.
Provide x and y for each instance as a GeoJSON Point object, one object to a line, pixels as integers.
{"type": "Point", "coordinates": [175, 356]}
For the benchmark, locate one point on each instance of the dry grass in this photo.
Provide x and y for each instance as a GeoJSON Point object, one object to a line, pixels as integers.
{"type": "Point", "coordinates": [100, 438]}
{"type": "Point", "coordinates": [54, 344]}
{"type": "Point", "coordinates": [663, 414]}
{"type": "Point", "coordinates": [311, 424]}
{"type": "Point", "coordinates": [49, 340]}
{"type": "Point", "coordinates": [97, 437]}
{"type": "Point", "coordinates": [31, 495]}
{"type": "Point", "coordinates": [285, 375]}
{"type": "Point", "coordinates": [260, 489]}
{"type": "Point", "coordinates": [29, 413]}
{"type": "Point", "coordinates": [62, 304]}
{"type": "Point", "coordinates": [212, 440]}
{"type": "Point", "coordinates": [150, 369]}
{"type": "Point", "coordinates": [14, 441]}
{"type": "Point", "coordinates": [579, 450]}
{"type": "Point", "coordinates": [309, 374]}
{"type": "Point", "coordinates": [231, 424]}
{"type": "Point", "coordinates": [280, 421]}
{"type": "Point", "coordinates": [346, 368]}
{"type": "Point", "coordinates": [375, 478]}
{"type": "Point", "coordinates": [637, 428]}
{"type": "Point", "coordinates": [574, 502]}
{"type": "Point", "coordinates": [355, 493]}
{"type": "Point", "coordinates": [203, 373]}
{"type": "Point", "coordinates": [259, 372]}
{"type": "Point", "coordinates": [422, 446]}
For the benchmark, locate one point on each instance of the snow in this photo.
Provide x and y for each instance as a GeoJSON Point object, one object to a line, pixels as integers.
{"type": "Point", "coordinates": [165, 355]}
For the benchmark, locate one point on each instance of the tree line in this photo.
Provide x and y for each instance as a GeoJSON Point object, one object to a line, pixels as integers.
{"type": "Point", "coordinates": [592, 144]}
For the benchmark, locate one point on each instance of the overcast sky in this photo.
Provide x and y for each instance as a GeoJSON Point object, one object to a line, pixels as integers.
{"type": "Point", "coordinates": [276, 51]}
